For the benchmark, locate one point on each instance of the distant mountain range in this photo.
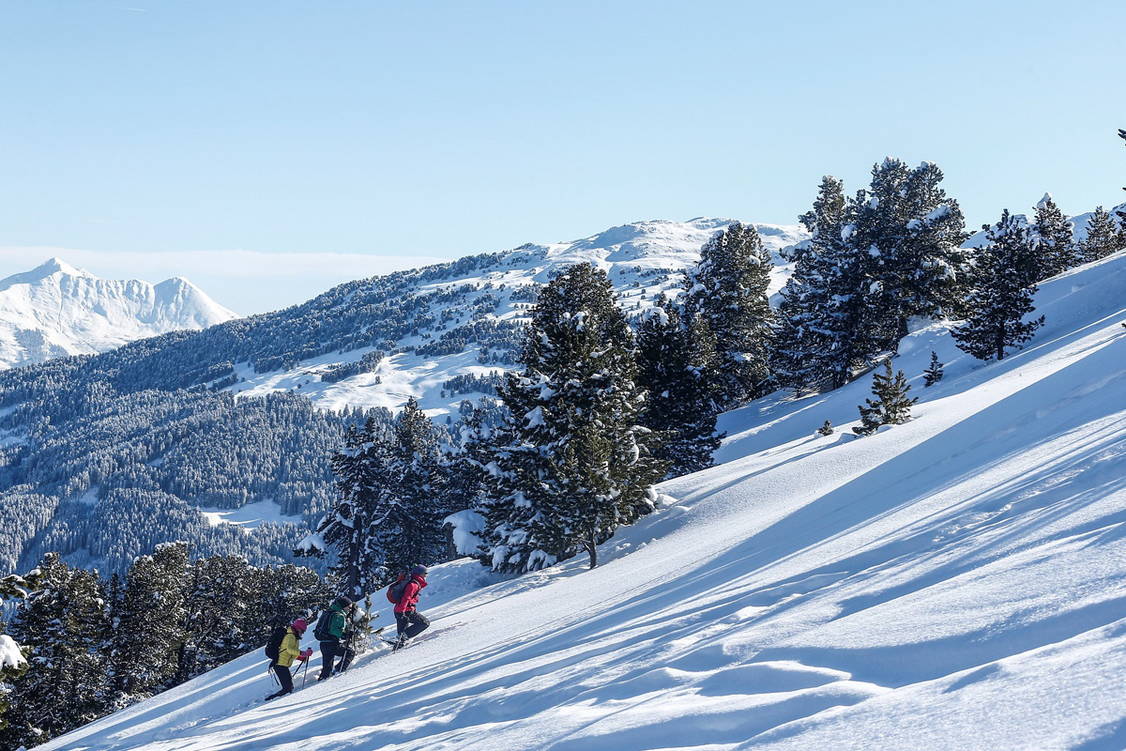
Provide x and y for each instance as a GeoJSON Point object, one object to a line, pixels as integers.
{"type": "Point", "coordinates": [56, 310]}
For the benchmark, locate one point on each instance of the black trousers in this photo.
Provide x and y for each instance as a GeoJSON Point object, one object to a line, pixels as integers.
{"type": "Point", "coordinates": [330, 650]}
{"type": "Point", "coordinates": [285, 678]}
{"type": "Point", "coordinates": [411, 624]}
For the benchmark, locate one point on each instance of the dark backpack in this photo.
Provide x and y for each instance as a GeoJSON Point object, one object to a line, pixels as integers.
{"type": "Point", "coordinates": [273, 646]}
{"type": "Point", "coordinates": [395, 591]}
{"type": "Point", "coordinates": [321, 630]}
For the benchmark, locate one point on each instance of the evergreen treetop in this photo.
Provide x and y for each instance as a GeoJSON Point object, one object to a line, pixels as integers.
{"type": "Point", "coordinates": [576, 463]}
{"type": "Point", "coordinates": [678, 365]}
{"type": "Point", "coordinates": [728, 289]}
{"type": "Point", "coordinates": [1104, 237]}
{"type": "Point", "coordinates": [1004, 279]}
{"type": "Point", "coordinates": [1053, 237]}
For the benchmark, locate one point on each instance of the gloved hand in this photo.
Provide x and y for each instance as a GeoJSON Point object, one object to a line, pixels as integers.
{"type": "Point", "coordinates": [302, 656]}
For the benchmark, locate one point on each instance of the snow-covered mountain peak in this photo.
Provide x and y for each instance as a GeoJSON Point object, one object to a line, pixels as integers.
{"type": "Point", "coordinates": [48, 268]}
{"type": "Point", "coordinates": [57, 309]}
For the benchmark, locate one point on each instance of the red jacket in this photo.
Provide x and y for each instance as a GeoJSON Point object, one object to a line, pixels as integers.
{"type": "Point", "coordinates": [410, 594]}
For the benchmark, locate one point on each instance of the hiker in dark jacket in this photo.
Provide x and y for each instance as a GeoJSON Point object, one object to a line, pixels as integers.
{"type": "Point", "coordinates": [334, 632]}
{"type": "Point", "coordinates": [288, 651]}
{"type": "Point", "coordinates": [410, 622]}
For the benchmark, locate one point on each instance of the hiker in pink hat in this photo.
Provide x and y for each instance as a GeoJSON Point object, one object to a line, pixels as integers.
{"type": "Point", "coordinates": [283, 649]}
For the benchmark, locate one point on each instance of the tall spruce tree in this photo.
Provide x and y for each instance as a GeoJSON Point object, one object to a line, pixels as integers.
{"type": "Point", "coordinates": [391, 499]}
{"type": "Point", "coordinates": [677, 362]}
{"type": "Point", "coordinates": [577, 464]}
{"type": "Point", "coordinates": [1103, 237]}
{"type": "Point", "coordinates": [1053, 236]}
{"type": "Point", "coordinates": [1003, 281]}
{"type": "Point", "coordinates": [727, 289]}
{"type": "Point", "coordinates": [911, 233]}
{"type": "Point", "coordinates": [281, 593]}
{"type": "Point", "coordinates": [361, 468]}
{"type": "Point", "coordinates": [407, 523]}
{"type": "Point", "coordinates": [860, 318]}
{"type": "Point", "coordinates": [808, 338]}
{"type": "Point", "coordinates": [891, 406]}
{"type": "Point", "coordinates": [62, 623]}
{"type": "Point", "coordinates": [476, 437]}
{"type": "Point", "coordinates": [218, 600]}
{"type": "Point", "coordinates": [149, 637]}
{"type": "Point", "coordinates": [927, 277]}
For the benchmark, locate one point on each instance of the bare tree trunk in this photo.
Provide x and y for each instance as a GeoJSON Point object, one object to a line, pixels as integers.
{"type": "Point", "coordinates": [591, 548]}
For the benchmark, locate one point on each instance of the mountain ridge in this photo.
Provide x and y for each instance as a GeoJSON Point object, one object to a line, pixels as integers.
{"type": "Point", "coordinates": [58, 310]}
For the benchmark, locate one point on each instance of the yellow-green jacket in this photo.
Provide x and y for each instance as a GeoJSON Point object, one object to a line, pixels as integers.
{"type": "Point", "coordinates": [289, 649]}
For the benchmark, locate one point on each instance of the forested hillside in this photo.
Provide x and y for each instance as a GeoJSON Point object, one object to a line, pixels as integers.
{"type": "Point", "coordinates": [102, 457]}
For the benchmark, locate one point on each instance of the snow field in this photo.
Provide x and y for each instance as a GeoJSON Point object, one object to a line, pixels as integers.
{"type": "Point", "coordinates": [957, 582]}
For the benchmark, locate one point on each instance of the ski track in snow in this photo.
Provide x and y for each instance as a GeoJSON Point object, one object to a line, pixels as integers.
{"type": "Point", "coordinates": [957, 582]}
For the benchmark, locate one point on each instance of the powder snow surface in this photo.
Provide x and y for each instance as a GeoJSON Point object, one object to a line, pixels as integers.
{"type": "Point", "coordinates": [957, 582]}
{"type": "Point", "coordinates": [56, 310]}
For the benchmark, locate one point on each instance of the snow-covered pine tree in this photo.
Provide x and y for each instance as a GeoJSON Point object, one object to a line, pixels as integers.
{"type": "Point", "coordinates": [861, 320]}
{"type": "Point", "coordinates": [891, 406]}
{"type": "Point", "coordinates": [577, 463]}
{"type": "Point", "coordinates": [476, 437]}
{"type": "Point", "coordinates": [911, 232]}
{"type": "Point", "coordinates": [728, 290]}
{"type": "Point", "coordinates": [1053, 237]}
{"type": "Point", "coordinates": [280, 594]}
{"type": "Point", "coordinates": [407, 519]}
{"type": "Point", "coordinates": [1103, 237]}
{"type": "Point", "coordinates": [149, 636]}
{"type": "Point", "coordinates": [676, 365]}
{"type": "Point", "coordinates": [806, 338]}
{"type": "Point", "coordinates": [933, 373]}
{"type": "Point", "coordinates": [218, 599]}
{"type": "Point", "coordinates": [1003, 281]}
{"type": "Point", "coordinates": [361, 468]}
{"type": "Point", "coordinates": [927, 275]}
{"type": "Point", "coordinates": [62, 624]}
{"type": "Point", "coordinates": [826, 428]}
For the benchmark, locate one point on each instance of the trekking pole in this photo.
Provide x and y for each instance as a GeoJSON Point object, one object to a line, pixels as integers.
{"type": "Point", "coordinates": [305, 673]}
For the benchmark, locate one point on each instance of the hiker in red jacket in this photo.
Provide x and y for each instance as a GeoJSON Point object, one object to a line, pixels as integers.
{"type": "Point", "coordinates": [410, 622]}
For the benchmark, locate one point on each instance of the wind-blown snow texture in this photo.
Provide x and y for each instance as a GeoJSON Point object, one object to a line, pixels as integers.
{"type": "Point", "coordinates": [56, 310]}
{"type": "Point", "coordinates": [956, 582]}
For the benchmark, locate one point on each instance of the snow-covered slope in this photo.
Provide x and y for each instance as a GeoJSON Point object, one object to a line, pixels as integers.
{"type": "Point", "coordinates": [957, 582]}
{"type": "Point", "coordinates": [642, 259]}
{"type": "Point", "coordinates": [56, 310]}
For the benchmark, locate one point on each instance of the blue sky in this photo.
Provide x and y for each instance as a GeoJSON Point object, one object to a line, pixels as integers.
{"type": "Point", "coordinates": [136, 134]}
